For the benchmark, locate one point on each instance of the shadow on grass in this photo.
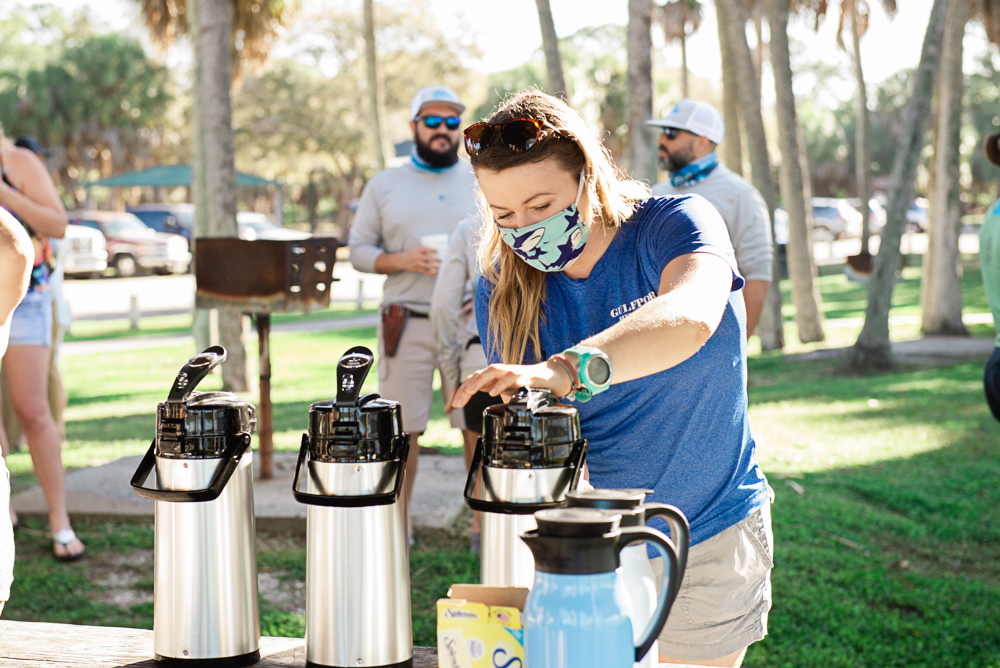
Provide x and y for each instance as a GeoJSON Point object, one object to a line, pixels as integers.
{"type": "Point", "coordinates": [892, 564]}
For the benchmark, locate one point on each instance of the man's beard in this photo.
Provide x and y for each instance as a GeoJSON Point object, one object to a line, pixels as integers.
{"type": "Point", "coordinates": [436, 158]}
{"type": "Point", "coordinates": [675, 161]}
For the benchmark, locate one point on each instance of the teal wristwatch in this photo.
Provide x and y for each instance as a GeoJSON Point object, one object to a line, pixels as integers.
{"type": "Point", "coordinates": [594, 371]}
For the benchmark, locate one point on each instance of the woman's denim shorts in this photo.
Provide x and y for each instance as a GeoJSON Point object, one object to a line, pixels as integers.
{"type": "Point", "coordinates": [31, 324]}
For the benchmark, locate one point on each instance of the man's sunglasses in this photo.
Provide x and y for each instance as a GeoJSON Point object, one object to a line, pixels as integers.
{"type": "Point", "coordinates": [671, 133]}
{"type": "Point", "coordinates": [434, 122]}
{"type": "Point", "coordinates": [517, 135]}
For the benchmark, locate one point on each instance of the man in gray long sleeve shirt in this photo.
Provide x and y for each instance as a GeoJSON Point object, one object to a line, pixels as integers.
{"type": "Point", "coordinates": [691, 131]}
{"type": "Point", "coordinates": [401, 212]}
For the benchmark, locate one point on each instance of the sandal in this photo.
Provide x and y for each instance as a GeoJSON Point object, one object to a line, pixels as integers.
{"type": "Point", "coordinates": [64, 537]}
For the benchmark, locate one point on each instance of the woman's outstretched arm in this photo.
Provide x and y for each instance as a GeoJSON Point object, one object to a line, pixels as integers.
{"type": "Point", "coordinates": [693, 293]}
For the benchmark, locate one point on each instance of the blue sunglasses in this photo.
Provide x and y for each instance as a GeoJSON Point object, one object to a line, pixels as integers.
{"type": "Point", "coordinates": [434, 122]}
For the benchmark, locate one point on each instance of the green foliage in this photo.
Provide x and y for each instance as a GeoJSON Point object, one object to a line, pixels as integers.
{"type": "Point", "coordinates": [982, 107]}
{"type": "Point", "coordinates": [95, 96]}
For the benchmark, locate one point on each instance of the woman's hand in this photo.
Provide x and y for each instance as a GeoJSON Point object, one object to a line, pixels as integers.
{"type": "Point", "coordinates": [505, 379]}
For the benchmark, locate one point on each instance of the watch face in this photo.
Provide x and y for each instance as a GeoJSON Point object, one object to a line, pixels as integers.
{"type": "Point", "coordinates": [598, 370]}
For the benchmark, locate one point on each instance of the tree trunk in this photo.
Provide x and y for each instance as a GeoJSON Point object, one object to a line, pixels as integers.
{"type": "Point", "coordinates": [873, 351]}
{"type": "Point", "coordinates": [732, 13]}
{"type": "Point", "coordinates": [201, 325]}
{"type": "Point", "coordinates": [941, 287]}
{"type": "Point", "coordinates": [550, 44]}
{"type": "Point", "coordinates": [684, 65]}
{"type": "Point", "coordinates": [216, 17]}
{"type": "Point", "coordinates": [862, 139]}
{"type": "Point", "coordinates": [641, 138]}
{"type": "Point", "coordinates": [758, 53]}
{"type": "Point", "coordinates": [375, 103]}
{"type": "Point", "coordinates": [732, 153]}
{"type": "Point", "coordinates": [801, 266]}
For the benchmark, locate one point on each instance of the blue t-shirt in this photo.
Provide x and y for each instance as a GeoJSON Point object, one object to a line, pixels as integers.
{"type": "Point", "coordinates": [682, 432]}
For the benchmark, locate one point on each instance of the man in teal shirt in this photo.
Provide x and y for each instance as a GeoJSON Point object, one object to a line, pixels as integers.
{"type": "Point", "coordinates": [989, 261]}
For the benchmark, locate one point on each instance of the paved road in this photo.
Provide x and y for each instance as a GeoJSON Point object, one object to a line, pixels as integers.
{"type": "Point", "coordinates": [90, 298]}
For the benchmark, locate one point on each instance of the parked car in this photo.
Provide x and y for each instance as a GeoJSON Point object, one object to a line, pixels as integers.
{"type": "Point", "coordinates": [918, 214]}
{"type": "Point", "coordinates": [168, 218]}
{"type": "Point", "coordinates": [834, 219]}
{"type": "Point", "coordinates": [83, 252]}
{"type": "Point", "coordinates": [133, 247]}
{"type": "Point", "coordinates": [253, 225]}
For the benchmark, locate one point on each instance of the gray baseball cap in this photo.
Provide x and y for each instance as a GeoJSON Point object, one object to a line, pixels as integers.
{"type": "Point", "coordinates": [694, 116]}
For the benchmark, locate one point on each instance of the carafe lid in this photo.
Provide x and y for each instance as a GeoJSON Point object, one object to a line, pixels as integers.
{"type": "Point", "coordinates": [352, 427]}
{"type": "Point", "coordinates": [576, 522]}
{"type": "Point", "coordinates": [534, 430]}
{"type": "Point", "coordinates": [201, 425]}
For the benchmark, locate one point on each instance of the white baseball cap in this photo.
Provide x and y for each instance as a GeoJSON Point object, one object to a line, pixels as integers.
{"type": "Point", "coordinates": [694, 116]}
{"type": "Point", "coordinates": [434, 95]}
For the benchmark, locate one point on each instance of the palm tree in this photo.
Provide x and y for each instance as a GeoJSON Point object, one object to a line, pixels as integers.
{"type": "Point", "coordinates": [550, 44]}
{"type": "Point", "coordinates": [858, 12]}
{"type": "Point", "coordinates": [732, 13]}
{"type": "Point", "coordinates": [801, 265]}
{"type": "Point", "coordinates": [680, 19]}
{"type": "Point", "coordinates": [941, 286]}
{"type": "Point", "coordinates": [642, 141]}
{"type": "Point", "coordinates": [731, 149]}
{"type": "Point", "coordinates": [376, 95]}
{"type": "Point", "coordinates": [219, 57]}
{"type": "Point", "coordinates": [873, 351]}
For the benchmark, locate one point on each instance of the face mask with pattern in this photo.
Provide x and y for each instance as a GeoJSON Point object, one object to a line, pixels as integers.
{"type": "Point", "coordinates": [552, 244]}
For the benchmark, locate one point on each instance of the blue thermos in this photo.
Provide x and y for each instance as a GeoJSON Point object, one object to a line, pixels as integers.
{"type": "Point", "coordinates": [577, 615]}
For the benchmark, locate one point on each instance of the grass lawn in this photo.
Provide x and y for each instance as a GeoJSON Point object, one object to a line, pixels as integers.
{"type": "Point", "coordinates": [886, 522]}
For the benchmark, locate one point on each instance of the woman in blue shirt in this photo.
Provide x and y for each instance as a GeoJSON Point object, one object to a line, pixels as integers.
{"type": "Point", "coordinates": [582, 267]}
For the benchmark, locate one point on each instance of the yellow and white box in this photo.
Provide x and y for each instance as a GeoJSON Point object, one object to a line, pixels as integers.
{"type": "Point", "coordinates": [480, 627]}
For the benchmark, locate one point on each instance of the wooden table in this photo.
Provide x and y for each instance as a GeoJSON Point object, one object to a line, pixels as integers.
{"type": "Point", "coordinates": [38, 645]}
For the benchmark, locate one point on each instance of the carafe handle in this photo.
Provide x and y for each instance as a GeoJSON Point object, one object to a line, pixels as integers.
{"type": "Point", "coordinates": [576, 459]}
{"type": "Point", "coordinates": [194, 372]}
{"type": "Point", "coordinates": [233, 455]}
{"type": "Point", "coordinates": [669, 584]}
{"type": "Point", "coordinates": [350, 501]}
{"type": "Point", "coordinates": [680, 530]}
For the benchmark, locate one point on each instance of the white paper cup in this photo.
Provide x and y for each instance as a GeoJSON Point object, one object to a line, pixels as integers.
{"type": "Point", "coordinates": [438, 242]}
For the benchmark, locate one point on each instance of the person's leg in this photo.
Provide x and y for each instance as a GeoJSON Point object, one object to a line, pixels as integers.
{"type": "Point", "coordinates": [27, 373]}
{"type": "Point", "coordinates": [4, 452]}
{"type": "Point", "coordinates": [725, 595]}
{"type": "Point", "coordinates": [991, 383]}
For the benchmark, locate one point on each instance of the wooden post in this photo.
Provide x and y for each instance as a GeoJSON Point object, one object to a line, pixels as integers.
{"type": "Point", "coordinates": [265, 427]}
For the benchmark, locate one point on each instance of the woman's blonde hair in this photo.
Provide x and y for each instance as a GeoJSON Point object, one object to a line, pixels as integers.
{"type": "Point", "coordinates": [609, 197]}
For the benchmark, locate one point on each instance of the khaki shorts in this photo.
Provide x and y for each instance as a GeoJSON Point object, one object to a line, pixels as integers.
{"type": "Point", "coordinates": [471, 360]}
{"type": "Point", "coordinates": [409, 376]}
{"type": "Point", "coordinates": [726, 592]}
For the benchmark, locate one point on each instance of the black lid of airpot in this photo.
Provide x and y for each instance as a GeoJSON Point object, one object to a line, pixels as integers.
{"type": "Point", "coordinates": [201, 425]}
{"type": "Point", "coordinates": [354, 428]}
{"type": "Point", "coordinates": [534, 430]}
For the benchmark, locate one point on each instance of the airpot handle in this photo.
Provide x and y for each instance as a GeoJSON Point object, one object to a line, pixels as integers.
{"type": "Point", "coordinates": [193, 372]}
{"type": "Point", "coordinates": [230, 462]}
{"type": "Point", "coordinates": [352, 370]}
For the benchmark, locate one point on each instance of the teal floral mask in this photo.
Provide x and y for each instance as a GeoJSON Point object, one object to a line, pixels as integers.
{"type": "Point", "coordinates": [552, 244]}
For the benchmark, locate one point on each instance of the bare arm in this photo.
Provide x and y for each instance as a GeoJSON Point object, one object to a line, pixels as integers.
{"type": "Point", "coordinates": [35, 201]}
{"type": "Point", "coordinates": [754, 294]}
{"type": "Point", "coordinates": [694, 290]}
{"type": "Point", "coordinates": [16, 256]}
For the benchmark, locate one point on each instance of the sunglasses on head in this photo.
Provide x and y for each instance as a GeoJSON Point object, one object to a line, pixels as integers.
{"type": "Point", "coordinates": [434, 122]}
{"type": "Point", "coordinates": [517, 135]}
{"type": "Point", "coordinates": [671, 133]}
